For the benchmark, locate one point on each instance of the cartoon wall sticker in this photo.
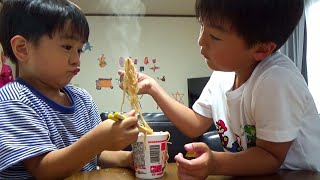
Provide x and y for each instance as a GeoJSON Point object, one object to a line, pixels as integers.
{"type": "Point", "coordinates": [6, 72]}
{"type": "Point", "coordinates": [163, 78]}
{"type": "Point", "coordinates": [121, 62]}
{"type": "Point", "coordinates": [135, 62]}
{"type": "Point", "coordinates": [102, 61]}
{"type": "Point", "coordinates": [104, 83]}
{"type": "Point", "coordinates": [146, 60]}
{"type": "Point", "coordinates": [87, 46]}
{"type": "Point", "coordinates": [178, 97]}
{"type": "Point", "coordinates": [154, 60]}
{"type": "Point", "coordinates": [154, 68]}
{"type": "Point", "coordinates": [141, 68]}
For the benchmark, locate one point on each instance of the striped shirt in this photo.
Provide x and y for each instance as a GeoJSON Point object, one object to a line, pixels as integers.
{"type": "Point", "coordinates": [31, 124]}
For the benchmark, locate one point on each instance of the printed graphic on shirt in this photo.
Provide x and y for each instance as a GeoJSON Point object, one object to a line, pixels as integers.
{"type": "Point", "coordinates": [249, 131]}
{"type": "Point", "coordinates": [222, 129]}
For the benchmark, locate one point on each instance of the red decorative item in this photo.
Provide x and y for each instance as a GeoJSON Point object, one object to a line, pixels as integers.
{"type": "Point", "coordinates": [146, 60]}
{"type": "Point", "coordinates": [6, 72]}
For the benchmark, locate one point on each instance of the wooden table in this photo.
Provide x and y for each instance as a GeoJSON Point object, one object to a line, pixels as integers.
{"type": "Point", "coordinates": [171, 174]}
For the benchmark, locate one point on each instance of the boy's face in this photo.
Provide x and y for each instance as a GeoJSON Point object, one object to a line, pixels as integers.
{"type": "Point", "coordinates": [53, 61]}
{"type": "Point", "coordinates": [223, 49]}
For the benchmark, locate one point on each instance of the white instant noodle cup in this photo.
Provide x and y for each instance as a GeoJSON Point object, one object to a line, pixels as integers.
{"type": "Point", "coordinates": [150, 159]}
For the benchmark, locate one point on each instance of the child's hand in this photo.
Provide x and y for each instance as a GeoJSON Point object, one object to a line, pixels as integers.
{"type": "Point", "coordinates": [145, 83]}
{"type": "Point", "coordinates": [114, 136]}
{"type": "Point", "coordinates": [127, 160]}
{"type": "Point", "coordinates": [198, 168]}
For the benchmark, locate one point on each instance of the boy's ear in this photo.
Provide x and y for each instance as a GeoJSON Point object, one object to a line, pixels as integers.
{"type": "Point", "coordinates": [263, 50]}
{"type": "Point", "coordinates": [20, 47]}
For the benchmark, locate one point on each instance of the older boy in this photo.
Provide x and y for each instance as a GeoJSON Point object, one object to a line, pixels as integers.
{"type": "Point", "coordinates": [257, 98]}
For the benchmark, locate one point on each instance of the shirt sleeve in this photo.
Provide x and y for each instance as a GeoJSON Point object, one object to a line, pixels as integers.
{"type": "Point", "coordinates": [23, 134]}
{"type": "Point", "coordinates": [212, 100]}
{"type": "Point", "coordinates": [94, 113]}
{"type": "Point", "coordinates": [278, 105]}
{"type": "Point", "coordinates": [93, 109]}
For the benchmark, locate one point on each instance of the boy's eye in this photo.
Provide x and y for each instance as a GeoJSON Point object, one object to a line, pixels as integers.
{"type": "Point", "coordinates": [67, 47]}
{"type": "Point", "coordinates": [214, 38]}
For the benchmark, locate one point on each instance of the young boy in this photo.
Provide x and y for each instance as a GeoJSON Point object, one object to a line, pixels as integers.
{"type": "Point", "coordinates": [49, 129]}
{"type": "Point", "coordinates": [257, 98]}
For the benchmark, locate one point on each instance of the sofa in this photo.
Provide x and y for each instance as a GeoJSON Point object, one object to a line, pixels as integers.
{"type": "Point", "coordinates": [159, 122]}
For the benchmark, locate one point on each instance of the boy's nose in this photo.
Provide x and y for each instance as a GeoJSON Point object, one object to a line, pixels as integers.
{"type": "Point", "coordinates": [201, 37]}
{"type": "Point", "coordinates": [75, 59]}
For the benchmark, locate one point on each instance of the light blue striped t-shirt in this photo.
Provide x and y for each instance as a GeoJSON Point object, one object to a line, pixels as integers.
{"type": "Point", "coordinates": [31, 124]}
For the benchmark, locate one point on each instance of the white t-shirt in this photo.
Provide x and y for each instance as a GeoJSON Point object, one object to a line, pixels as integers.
{"type": "Point", "coordinates": [274, 105]}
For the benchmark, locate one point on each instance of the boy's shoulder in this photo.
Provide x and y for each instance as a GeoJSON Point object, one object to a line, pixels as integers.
{"type": "Point", "coordinates": [77, 91]}
{"type": "Point", "coordinates": [13, 91]}
{"type": "Point", "coordinates": [278, 67]}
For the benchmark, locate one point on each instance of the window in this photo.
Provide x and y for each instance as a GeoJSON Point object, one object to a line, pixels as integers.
{"type": "Point", "coordinates": [313, 55]}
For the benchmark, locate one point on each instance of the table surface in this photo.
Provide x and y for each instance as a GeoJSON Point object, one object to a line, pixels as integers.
{"type": "Point", "coordinates": [170, 174]}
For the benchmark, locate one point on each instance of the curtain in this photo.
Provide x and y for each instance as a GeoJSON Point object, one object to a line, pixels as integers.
{"type": "Point", "coordinates": [295, 47]}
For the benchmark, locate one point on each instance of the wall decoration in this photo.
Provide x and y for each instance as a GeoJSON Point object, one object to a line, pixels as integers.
{"type": "Point", "coordinates": [154, 68]}
{"type": "Point", "coordinates": [146, 60]}
{"type": "Point", "coordinates": [6, 72]}
{"type": "Point", "coordinates": [87, 46]}
{"type": "Point", "coordinates": [104, 83]}
{"type": "Point", "coordinates": [178, 97]}
{"type": "Point", "coordinates": [141, 68]}
{"type": "Point", "coordinates": [163, 78]}
{"type": "Point", "coordinates": [102, 61]}
{"type": "Point", "coordinates": [154, 60]}
{"type": "Point", "coordinates": [135, 62]}
{"type": "Point", "coordinates": [118, 80]}
{"type": "Point", "coordinates": [121, 62]}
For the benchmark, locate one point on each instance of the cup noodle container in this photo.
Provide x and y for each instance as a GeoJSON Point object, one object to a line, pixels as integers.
{"type": "Point", "coordinates": [150, 160]}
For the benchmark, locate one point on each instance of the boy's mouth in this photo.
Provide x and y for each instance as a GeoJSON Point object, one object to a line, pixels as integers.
{"type": "Point", "coordinates": [76, 71]}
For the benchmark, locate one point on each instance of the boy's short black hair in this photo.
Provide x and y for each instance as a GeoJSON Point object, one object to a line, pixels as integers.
{"type": "Point", "coordinates": [256, 21]}
{"type": "Point", "coordinates": [34, 18]}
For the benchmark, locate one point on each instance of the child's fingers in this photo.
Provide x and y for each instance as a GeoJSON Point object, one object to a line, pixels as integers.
{"type": "Point", "coordinates": [131, 113]}
{"type": "Point", "coordinates": [198, 147]}
{"type": "Point", "coordinates": [130, 122]}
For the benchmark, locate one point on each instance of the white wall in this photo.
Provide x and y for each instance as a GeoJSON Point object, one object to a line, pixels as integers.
{"type": "Point", "coordinates": [171, 40]}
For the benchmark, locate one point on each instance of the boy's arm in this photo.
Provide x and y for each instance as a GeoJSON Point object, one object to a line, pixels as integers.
{"type": "Point", "coordinates": [185, 119]}
{"type": "Point", "coordinates": [109, 159]}
{"type": "Point", "coordinates": [265, 158]}
{"type": "Point", "coordinates": [63, 162]}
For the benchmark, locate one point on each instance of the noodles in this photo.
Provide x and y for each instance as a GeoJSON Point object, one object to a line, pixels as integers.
{"type": "Point", "coordinates": [130, 86]}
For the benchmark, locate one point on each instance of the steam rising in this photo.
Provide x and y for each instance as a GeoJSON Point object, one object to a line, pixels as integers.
{"type": "Point", "coordinates": [127, 25]}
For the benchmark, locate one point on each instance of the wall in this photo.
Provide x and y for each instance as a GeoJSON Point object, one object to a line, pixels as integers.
{"type": "Point", "coordinates": [172, 41]}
